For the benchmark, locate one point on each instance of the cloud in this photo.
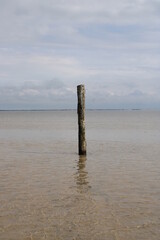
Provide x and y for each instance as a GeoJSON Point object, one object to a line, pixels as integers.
{"type": "Point", "coordinates": [51, 94]}
{"type": "Point", "coordinates": [48, 47]}
{"type": "Point", "coordinates": [54, 84]}
{"type": "Point", "coordinates": [40, 21]}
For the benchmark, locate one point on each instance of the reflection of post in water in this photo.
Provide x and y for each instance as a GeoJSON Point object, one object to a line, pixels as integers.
{"type": "Point", "coordinates": [82, 175]}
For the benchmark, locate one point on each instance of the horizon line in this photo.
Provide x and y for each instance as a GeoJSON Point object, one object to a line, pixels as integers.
{"type": "Point", "coordinates": [74, 109]}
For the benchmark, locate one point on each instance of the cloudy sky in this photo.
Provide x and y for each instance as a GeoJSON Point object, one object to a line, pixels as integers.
{"type": "Point", "coordinates": [49, 47]}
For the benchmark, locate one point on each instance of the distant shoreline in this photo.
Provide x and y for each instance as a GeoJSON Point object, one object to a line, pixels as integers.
{"type": "Point", "coordinates": [58, 110]}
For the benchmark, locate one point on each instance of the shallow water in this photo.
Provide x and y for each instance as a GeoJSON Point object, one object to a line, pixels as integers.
{"type": "Point", "coordinates": [48, 192]}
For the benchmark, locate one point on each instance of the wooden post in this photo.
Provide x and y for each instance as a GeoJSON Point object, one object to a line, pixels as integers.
{"type": "Point", "coordinates": [81, 119]}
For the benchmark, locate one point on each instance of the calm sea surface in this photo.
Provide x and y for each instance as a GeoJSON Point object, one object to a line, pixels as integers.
{"type": "Point", "coordinates": [48, 192]}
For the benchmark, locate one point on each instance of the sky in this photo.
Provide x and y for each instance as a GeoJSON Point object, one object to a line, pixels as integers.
{"type": "Point", "coordinates": [49, 47]}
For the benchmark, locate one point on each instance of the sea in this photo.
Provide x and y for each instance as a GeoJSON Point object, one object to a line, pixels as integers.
{"type": "Point", "coordinates": [49, 192]}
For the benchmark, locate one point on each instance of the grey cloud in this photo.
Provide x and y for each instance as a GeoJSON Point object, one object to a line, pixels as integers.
{"type": "Point", "coordinates": [25, 97]}
{"type": "Point", "coordinates": [111, 46]}
{"type": "Point", "coordinates": [50, 94]}
{"type": "Point", "coordinates": [45, 85]}
{"type": "Point", "coordinates": [129, 101]}
{"type": "Point", "coordinates": [137, 93]}
{"type": "Point", "coordinates": [21, 11]}
{"type": "Point", "coordinates": [25, 19]}
{"type": "Point", "coordinates": [54, 84]}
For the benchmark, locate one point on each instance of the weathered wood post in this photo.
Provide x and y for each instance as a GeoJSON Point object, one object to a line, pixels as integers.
{"type": "Point", "coordinates": [81, 119]}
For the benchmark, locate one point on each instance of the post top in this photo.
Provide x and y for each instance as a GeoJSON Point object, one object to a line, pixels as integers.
{"type": "Point", "coordinates": [81, 85]}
